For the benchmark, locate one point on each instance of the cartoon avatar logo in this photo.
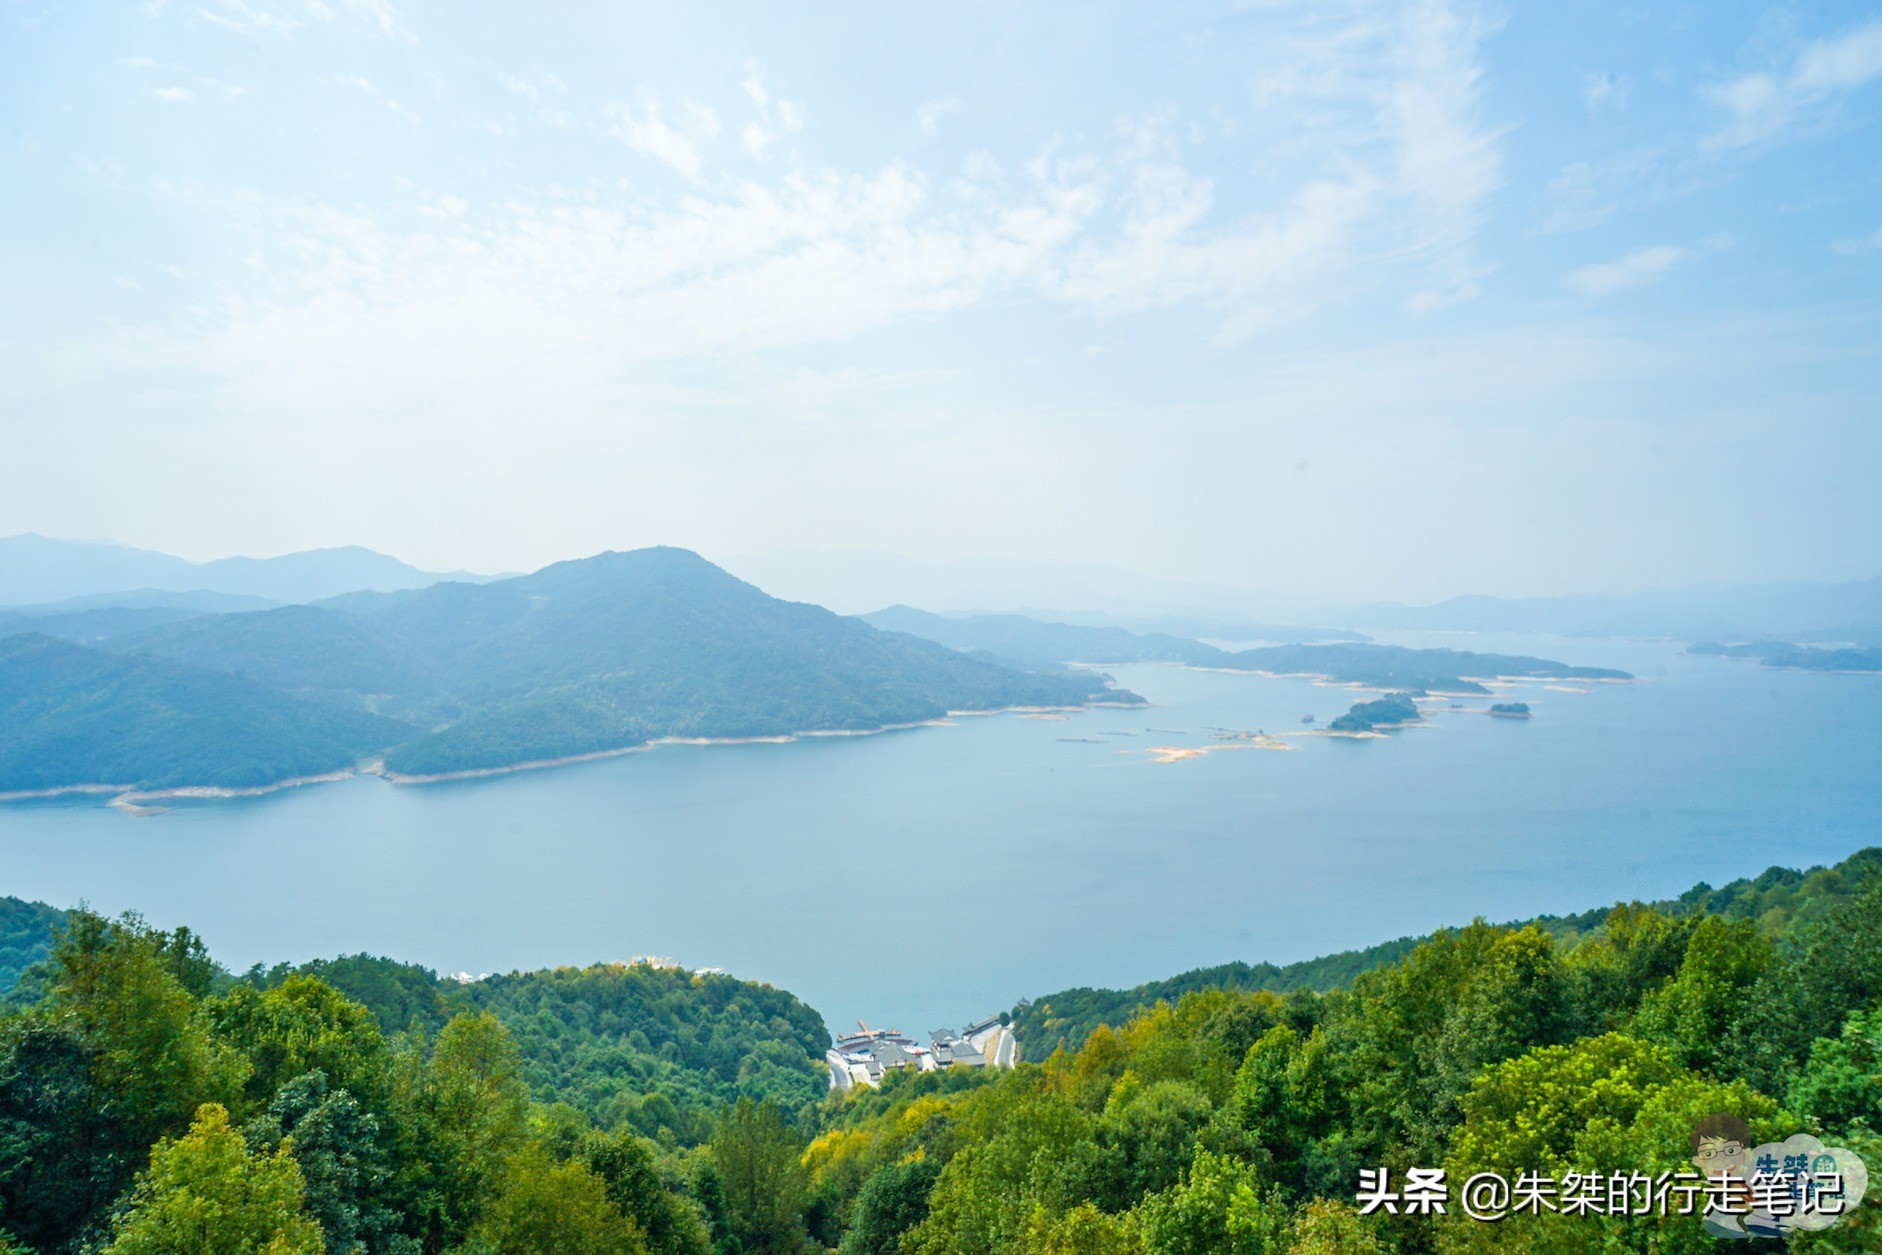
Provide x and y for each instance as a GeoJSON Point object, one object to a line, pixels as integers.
{"type": "Point", "coordinates": [1721, 1148]}
{"type": "Point", "coordinates": [1773, 1189]}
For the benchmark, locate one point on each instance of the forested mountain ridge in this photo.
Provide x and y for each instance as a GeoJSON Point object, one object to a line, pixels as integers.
{"type": "Point", "coordinates": [659, 1050]}
{"type": "Point", "coordinates": [1778, 900]}
{"type": "Point", "coordinates": [70, 715]}
{"type": "Point", "coordinates": [582, 657]}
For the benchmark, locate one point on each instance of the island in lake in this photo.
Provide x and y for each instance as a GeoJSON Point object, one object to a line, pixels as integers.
{"type": "Point", "coordinates": [1418, 671]}
{"type": "Point", "coordinates": [1511, 710]}
{"type": "Point", "coordinates": [1391, 711]}
{"type": "Point", "coordinates": [1857, 658]}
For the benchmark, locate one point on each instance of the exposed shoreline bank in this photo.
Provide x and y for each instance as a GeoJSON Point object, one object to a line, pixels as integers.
{"type": "Point", "coordinates": [148, 802]}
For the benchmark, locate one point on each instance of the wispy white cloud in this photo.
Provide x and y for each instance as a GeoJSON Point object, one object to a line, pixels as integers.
{"type": "Point", "coordinates": [643, 127]}
{"type": "Point", "coordinates": [1449, 162]}
{"type": "Point", "coordinates": [1858, 245]}
{"type": "Point", "coordinates": [773, 118]}
{"type": "Point", "coordinates": [541, 91]}
{"type": "Point", "coordinates": [1585, 194]}
{"type": "Point", "coordinates": [1601, 91]}
{"type": "Point", "coordinates": [281, 17]}
{"type": "Point", "coordinates": [1383, 173]}
{"type": "Point", "coordinates": [173, 95]}
{"type": "Point", "coordinates": [929, 116]}
{"type": "Point", "coordinates": [1762, 105]}
{"type": "Point", "coordinates": [361, 83]}
{"type": "Point", "coordinates": [1640, 267]}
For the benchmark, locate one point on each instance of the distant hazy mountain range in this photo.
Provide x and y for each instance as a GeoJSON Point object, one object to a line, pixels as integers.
{"type": "Point", "coordinates": [38, 569]}
{"type": "Point", "coordinates": [1043, 637]}
{"type": "Point", "coordinates": [1011, 636]}
{"type": "Point", "coordinates": [1032, 640]}
{"type": "Point", "coordinates": [600, 654]}
{"type": "Point", "coordinates": [1735, 613]}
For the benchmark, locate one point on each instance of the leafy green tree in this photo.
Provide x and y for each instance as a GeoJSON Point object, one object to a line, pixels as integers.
{"type": "Point", "coordinates": [155, 1058]}
{"type": "Point", "coordinates": [1411, 1037]}
{"type": "Point", "coordinates": [1515, 998]}
{"type": "Point", "coordinates": [1084, 1230]}
{"type": "Point", "coordinates": [1021, 1151]}
{"type": "Point", "coordinates": [1288, 1098]}
{"type": "Point", "coordinates": [1154, 1129]}
{"type": "Point", "coordinates": [344, 1162]}
{"type": "Point", "coordinates": [892, 1201]}
{"type": "Point", "coordinates": [1841, 1087]}
{"type": "Point", "coordinates": [460, 1114]}
{"type": "Point", "coordinates": [669, 1222]}
{"type": "Point", "coordinates": [707, 1188]}
{"type": "Point", "coordinates": [1218, 1208]}
{"type": "Point", "coordinates": [63, 1156]}
{"type": "Point", "coordinates": [1603, 1104]}
{"type": "Point", "coordinates": [1831, 966]}
{"type": "Point", "coordinates": [1637, 950]}
{"type": "Point", "coordinates": [1693, 1015]}
{"type": "Point", "coordinates": [759, 1160]}
{"type": "Point", "coordinates": [303, 1025]}
{"type": "Point", "coordinates": [542, 1207]}
{"type": "Point", "coordinates": [1329, 1227]}
{"type": "Point", "coordinates": [204, 1193]}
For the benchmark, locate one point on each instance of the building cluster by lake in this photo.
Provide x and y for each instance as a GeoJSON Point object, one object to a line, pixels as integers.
{"type": "Point", "coordinates": [866, 1056]}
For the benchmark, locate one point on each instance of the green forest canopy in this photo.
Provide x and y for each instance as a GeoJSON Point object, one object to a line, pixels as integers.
{"type": "Point", "coordinates": [144, 1091]}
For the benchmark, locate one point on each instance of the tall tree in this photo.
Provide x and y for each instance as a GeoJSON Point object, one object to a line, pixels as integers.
{"type": "Point", "coordinates": [206, 1194]}
{"type": "Point", "coordinates": [759, 1161]}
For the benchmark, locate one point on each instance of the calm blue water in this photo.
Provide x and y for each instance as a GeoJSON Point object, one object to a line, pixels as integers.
{"type": "Point", "coordinates": [926, 877]}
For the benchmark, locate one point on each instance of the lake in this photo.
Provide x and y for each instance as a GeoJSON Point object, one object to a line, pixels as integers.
{"type": "Point", "coordinates": [927, 877]}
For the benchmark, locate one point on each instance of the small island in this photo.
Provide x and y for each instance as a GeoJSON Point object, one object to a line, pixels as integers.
{"type": "Point", "coordinates": [1397, 667]}
{"type": "Point", "coordinates": [1510, 710]}
{"type": "Point", "coordinates": [1389, 711]}
{"type": "Point", "coordinates": [1852, 658]}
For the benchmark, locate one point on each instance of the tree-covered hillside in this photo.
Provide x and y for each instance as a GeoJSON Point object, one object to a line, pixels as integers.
{"type": "Point", "coordinates": [1778, 900]}
{"type": "Point", "coordinates": [606, 653]}
{"type": "Point", "coordinates": [1397, 667]}
{"type": "Point", "coordinates": [614, 650]}
{"type": "Point", "coordinates": [26, 931]}
{"type": "Point", "coordinates": [71, 715]}
{"type": "Point", "coordinates": [658, 1050]}
{"type": "Point", "coordinates": [1239, 1121]}
{"type": "Point", "coordinates": [151, 1102]}
{"type": "Point", "coordinates": [302, 649]}
{"type": "Point", "coordinates": [1856, 658]}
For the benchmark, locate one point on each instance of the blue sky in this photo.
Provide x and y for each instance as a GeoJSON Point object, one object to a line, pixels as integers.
{"type": "Point", "coordinates": [1338, 299]}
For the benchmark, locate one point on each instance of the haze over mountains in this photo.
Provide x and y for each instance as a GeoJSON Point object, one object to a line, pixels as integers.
{"type": "Point", "coordinates": [38, 569]}
{"type": "Point", "coordinates": [582, 657]}
{"type": "Point", "coordinates": [1740, 611]}
{"type": "Point", "coordinates": [211, 681]}
{"type": "Point", "coordinates": [863, 582]}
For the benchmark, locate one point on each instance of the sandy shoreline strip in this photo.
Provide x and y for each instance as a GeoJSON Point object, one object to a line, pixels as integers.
{"type": "Point", "coordinates": [145, 802]}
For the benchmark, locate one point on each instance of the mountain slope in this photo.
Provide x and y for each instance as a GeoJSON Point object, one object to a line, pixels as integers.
{"type": "Point", "coordinates": [600, 654]}
{"type": "Point", "coordinates": [611, 651]}
{"type": "Point", "coordinates": [71, 716]}
{"type": "Point", "coordinates": [40, 569]}
{"type": "Point", "coordinates": [300, 649]}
